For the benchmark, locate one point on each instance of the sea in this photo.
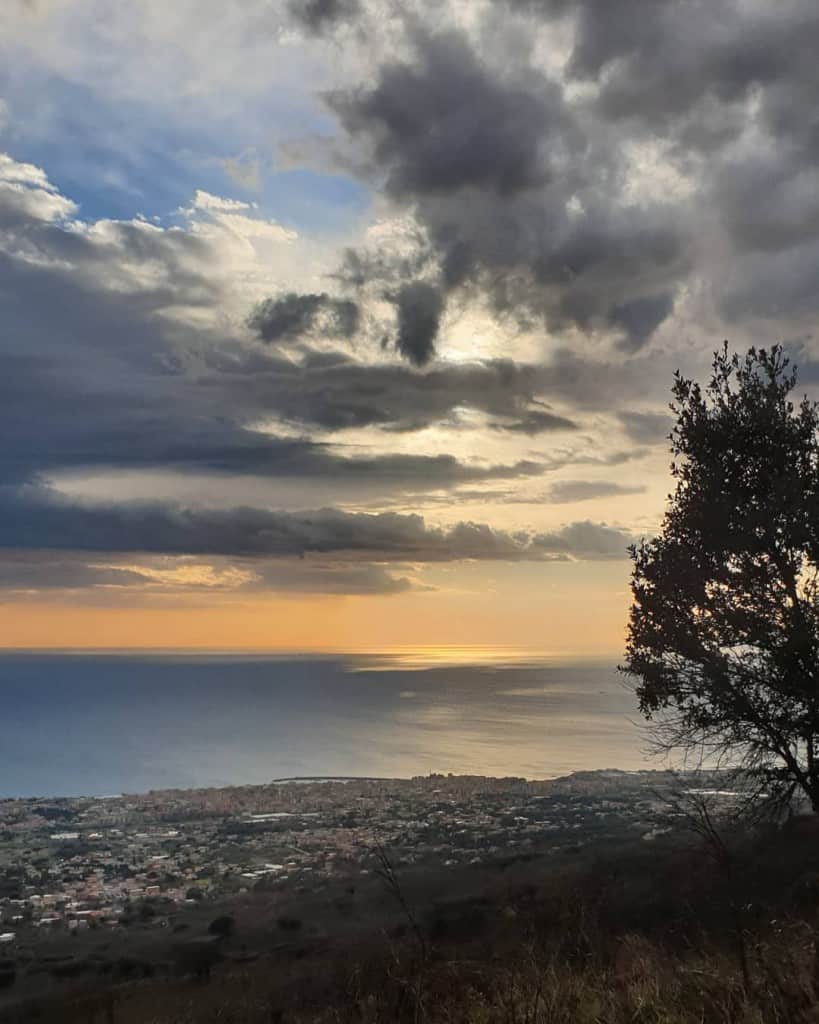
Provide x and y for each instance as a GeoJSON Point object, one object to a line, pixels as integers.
{"type": "Point", "coordinates": [100, 724]}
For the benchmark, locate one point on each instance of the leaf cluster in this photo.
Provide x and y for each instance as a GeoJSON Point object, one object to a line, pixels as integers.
{"type": "Point", "coordinates": [724, 626]}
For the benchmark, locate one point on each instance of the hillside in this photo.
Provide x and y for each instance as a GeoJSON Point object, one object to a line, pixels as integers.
{"type": "Point", "coordinates": [629, 931]}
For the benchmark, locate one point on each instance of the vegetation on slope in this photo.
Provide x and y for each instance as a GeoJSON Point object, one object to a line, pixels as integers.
{"type": "Point", "coordinates": [651, 934]}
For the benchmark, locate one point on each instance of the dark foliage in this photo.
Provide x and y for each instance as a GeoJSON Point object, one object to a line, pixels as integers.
{"type": "Point", "coordinates": [724, 627]}
{"type": "Point", "coordinates": [222, 926]}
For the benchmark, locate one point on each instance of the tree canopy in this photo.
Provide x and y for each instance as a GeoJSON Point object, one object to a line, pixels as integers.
{"type": "Point", "coordinates": [724, 626]}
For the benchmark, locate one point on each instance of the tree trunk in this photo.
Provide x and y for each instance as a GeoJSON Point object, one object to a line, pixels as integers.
{"type": "Point", "coordinates": [811, 783]}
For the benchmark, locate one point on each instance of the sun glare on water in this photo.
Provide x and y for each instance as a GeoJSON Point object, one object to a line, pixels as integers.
{"type": "Point", "coordinates": [441, 656]}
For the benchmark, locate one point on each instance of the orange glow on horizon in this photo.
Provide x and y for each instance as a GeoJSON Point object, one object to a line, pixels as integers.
{"type": "Point", "coordinates": [576, 620]}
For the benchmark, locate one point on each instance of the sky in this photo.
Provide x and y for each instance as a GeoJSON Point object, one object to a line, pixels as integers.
{"type": "Point", "coordinates": [341, 324]}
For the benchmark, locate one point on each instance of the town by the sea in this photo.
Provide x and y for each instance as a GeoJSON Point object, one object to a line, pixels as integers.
{"type": "Point", "coordinates": [108, 723]}
{"type": "Point", "coordinates": [151, 805]}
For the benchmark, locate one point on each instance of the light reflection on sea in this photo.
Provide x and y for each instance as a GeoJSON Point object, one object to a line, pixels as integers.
{"type": "Point", "coordinates": [398, 659]}
{"type": "Point", "coordinates": [104, 723]}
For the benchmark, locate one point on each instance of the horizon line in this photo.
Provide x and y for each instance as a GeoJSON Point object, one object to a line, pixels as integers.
{"type": "Point", "coordinates": [397, 650]}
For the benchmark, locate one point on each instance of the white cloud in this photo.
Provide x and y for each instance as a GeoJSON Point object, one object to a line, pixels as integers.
{"type": "Point", "coordinates": [255, 228]}
{"type": "Point", "coordinates": [27, 189]}
{"type": "Point", "coordinates": [209, 270]}
{"type": "Point", "coordinates": [208, 212]}
{"type": "Point", "coordinates": [206, 201]}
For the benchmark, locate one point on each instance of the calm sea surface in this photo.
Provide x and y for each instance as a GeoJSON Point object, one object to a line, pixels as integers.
{"type": "Point", "coordinates": [104, 724]}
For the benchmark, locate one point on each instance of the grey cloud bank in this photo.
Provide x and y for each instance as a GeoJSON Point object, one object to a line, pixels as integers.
{"type": "Point", "coordinates": [292, 316]}
{"type": "Point", "coordinates": [38, 518]}
{"type": "Point", "coordinates": [615, 186]}
{"type": "Point", "coordinates": [246, 549]}
{"type": "Point", "coordinates": [100, 378]}
{"type": "Point", "coordinates": [673, 152]}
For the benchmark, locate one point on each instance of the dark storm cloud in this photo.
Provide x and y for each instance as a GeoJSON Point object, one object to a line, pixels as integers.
{"type": "Point", "coordinates": [574, 268]}
{"type": "Point", "coordinates": [544, 197]}
{"type": "Point", "coordinates": [41, 519]}
{"type": "Point", "coordinates": [55, 418]}
{"type": "Point", "coordinates": [419, 306]}
{"type": "Point", "coordinates": [658, 61]}
{"type": "Point", "coordinates": [730, 88]}
{"type": "Point", "coordinates": [442, 123]}
{"type": "Point", "coordinates": [640, 317]}
{"type": "Point", "coordinates": [290, 316]}
{"type": "Point", "coordinates": [318, 16]}
{"type": "Point", "coordinates": [515, 197]}
{"type": "Point", "coordinates": [143, 442]}
{"type": "Point", "coordinates": [53, 422]}
{"type": "Point", "coordinates": [769, 203]}
{"type": "Point", "coordinates": [360, 266]}
{"type": "Point", "coordinates": [334, 392]}
{"type": "Point", "coordinates": [536, 421]}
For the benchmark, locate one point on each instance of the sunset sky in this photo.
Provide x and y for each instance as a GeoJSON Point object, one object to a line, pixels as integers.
{"type": "Point", "coordinates": [340, 324]}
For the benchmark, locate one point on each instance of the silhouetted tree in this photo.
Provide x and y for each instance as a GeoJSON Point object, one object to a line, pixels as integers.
{"type": "Point", "coordinates": [724, 625]}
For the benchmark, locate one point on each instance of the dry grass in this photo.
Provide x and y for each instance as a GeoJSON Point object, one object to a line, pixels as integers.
{"type": "Point", "coordinates": [641, 984]}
